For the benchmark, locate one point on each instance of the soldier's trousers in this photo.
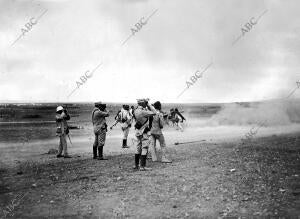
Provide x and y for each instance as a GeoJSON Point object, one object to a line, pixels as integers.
{"type": "Point", "coordinates": [100, 138]}
{"type": "Point", "coordinates": [160, 138]}
{"type": "Point", "coordinates": [162, 143]}
{"type": "Point", "coordinates": [125, 132]}
{"type": "Point", "coordinates": [62, 147]}
{"type": "Point", "coordinates": [142, 145]}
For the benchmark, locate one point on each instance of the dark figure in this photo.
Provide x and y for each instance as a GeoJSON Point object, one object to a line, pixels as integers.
{"type": "Point", "coordinates": [100, 129]}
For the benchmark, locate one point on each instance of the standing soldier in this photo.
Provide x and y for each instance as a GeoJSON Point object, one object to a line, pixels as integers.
{"type": "Point", "coordinates": [126, 120]}
{"type": "Point", "coordinates": [117, 119]}
{"type": "Point", "coordinates": [131, 111]}
{"type": "Point", "coordinates": [62, 131]}
{"type": "Point", "coordinates": [179, 116]}
{"type": "Point", "coordinates": [142, 114]}
{"type": "Point", "coordinates": [171, 116]}
{"type": "Point", "coordinates": [100, 129]}
{"type": "Point", "coordinates": [124, 117]}
{"type": "Point", "coordinates": [156, 134]}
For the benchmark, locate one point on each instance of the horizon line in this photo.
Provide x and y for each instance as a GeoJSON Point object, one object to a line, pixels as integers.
{"type": "Point", "coordinates": [108, 102]}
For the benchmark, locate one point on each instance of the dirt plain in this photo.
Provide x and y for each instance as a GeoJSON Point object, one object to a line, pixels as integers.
{"type": "Point", "coordinates": [258, 179]}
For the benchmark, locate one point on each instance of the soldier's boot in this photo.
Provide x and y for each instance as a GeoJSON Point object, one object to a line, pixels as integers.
{"type": "Point", "coordinates": [164, 158]}
{"type": "Point", "coordinates": [95, 152]}
{"type": "Point", "coordinates": [136, 161]}
{"type": "Point", "coordinates": [124, 145]}
{"type": "Point", "coordinates": [100, 150]}
{"type": "Point", "coordinates": [153, 153]}
{"type": "Point", "coordinates": [143, 163]}
{"type": "Point", "coordinates": [149, 156]}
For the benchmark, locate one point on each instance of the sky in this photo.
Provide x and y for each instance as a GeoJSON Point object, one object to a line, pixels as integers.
{"type": "Point", "coordinates": [72, 38]}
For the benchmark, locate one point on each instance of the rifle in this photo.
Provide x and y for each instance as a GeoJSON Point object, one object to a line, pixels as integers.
{"type": "Point", "coordinates": [189, 142]}
{"type": "Point", "coordinates": [70, 139]}
{"type": "Point", "coordinates": [66, 109]}
{"type": "Point", "coordinates": [116, 122]}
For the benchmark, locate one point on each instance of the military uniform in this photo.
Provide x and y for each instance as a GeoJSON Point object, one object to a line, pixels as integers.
{"type": "Point", "coordinates": [175, 117]}
{"type": "Point", "coordinates": [62, 131]}
{"type": "Point", "coordinates": [178, 117]}
{"type": "Point", "coordinates": [142, 133]}
{"type": "Point", "coordinates": [156, 134]}
{"type": "Point", "coordinates": [100, 129]}
{"type": "Point", "coordinates": [125, 119]}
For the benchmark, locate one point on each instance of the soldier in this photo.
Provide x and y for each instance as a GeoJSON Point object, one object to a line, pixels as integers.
{"type": "Point", "coordinates": [174, 117]}
{"type": "Point", "coordinates": [171, 116]}
{"type": "Point", "coordinates": [142, 114]}
{"type": "Point", "coordinates": [124, 117]}
{"type": "Point", "coordinates": [156, 134]}
{"type": "Point", "coordinates": [100, 129]}
{"type": "Point", "coordinates": [126, 120]}
{"type": "Point", "coordinates": [117, 119]}
{"type": "Point", "coordinates": [179, 116]}
{"type": "Point", "coordinates": [131, 111]}
{"type": "Point", "coordinates": [62, 131]}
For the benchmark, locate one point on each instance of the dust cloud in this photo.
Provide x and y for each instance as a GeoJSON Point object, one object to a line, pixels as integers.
{"type": "Point", "coordinates": [271, 113]}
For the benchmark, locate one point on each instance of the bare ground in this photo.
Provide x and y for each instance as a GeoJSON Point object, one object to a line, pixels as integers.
{"type": "Point", "coordinates": [206, 180]}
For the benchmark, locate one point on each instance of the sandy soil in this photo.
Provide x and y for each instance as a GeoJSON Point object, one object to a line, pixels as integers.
{"type": "Point", "coordinates": [211, 179]}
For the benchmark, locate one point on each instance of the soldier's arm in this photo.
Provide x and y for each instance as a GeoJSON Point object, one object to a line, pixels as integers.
{"type": "Point", "coordinates": [148, 114]}
{"type": "Point", "coordinates": [162, 120]}
{"type": "Point", "coordinates": [152, 111]}
{"type": "Point", "coordinates": [103, 113]}
{"type": "Point", "coordinates": [181, 116]}
{"type": "Point", "coordinates": [116, 117]}
{"type": "Point", "coordinates": [62, 116]}
{"type": "Point", "coordinates": [67, 116]}
{"type": "Point", "coordinates": [58, 118]}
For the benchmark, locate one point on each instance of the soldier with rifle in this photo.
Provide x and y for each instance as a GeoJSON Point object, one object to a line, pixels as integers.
{"type": "Point", "coordinates": [62, 130]}
{"type": "Point", "coordinates": [125, 119]}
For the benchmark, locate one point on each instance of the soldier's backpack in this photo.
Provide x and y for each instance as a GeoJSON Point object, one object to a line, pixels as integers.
{"type": "Point", "coordinates": [139, 125]}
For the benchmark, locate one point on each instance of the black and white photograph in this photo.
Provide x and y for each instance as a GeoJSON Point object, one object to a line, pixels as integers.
{"type": "Point", "coordinates": [149, 109]}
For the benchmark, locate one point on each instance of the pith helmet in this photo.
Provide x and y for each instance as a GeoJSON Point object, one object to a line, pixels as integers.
{"type": "Point", "coordinates": [143, 100]}
{"type": "Point", "coordinates": [59, 108]}
{"type": "Point", "coordinates": [98, 103]}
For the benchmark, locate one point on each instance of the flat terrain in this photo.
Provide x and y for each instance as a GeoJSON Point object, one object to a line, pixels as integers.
{"type": "Point", "coordinates": [227, 179]}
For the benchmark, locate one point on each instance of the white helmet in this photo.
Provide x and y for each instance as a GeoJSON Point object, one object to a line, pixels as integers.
{"type": "Point", "coordinates": [59, 108]}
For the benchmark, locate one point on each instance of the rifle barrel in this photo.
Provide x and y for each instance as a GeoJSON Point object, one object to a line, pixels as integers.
{"type": "Point", "coordinates": [188, 142]}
